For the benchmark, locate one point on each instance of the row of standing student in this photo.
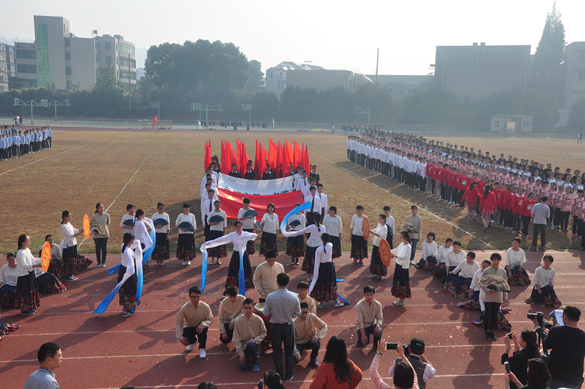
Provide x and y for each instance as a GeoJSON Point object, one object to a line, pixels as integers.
{"type": "Point", "coordinates": [14, 143]}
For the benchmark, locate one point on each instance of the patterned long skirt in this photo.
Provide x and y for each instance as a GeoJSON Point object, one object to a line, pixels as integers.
{"type": "Point", "coordinates": [325, 288]}
{"type": "Point", "coordinates": [81, 262]}
{"type": "Point", "coordinates": [57, 268]}
{"type": "Point", "coordinates": [268, 242]}
{"type": "Point", "coordinates": [546, 299]}
{"type": "Point", "coordinates": [250, 245]}
{"type": "Point", "coordinates": [359, 247]}
{"type": "Point", "coordinates": [48, 283]}
{"type": "Point", "coordinates": [186, 247]}
{"type": "Point", "coordinates": [27, 293]}
{"type": "Point", "coordinates": [440, 271]}
{"type": "Point", "coordinates": [401, 283]}
{"type": "Point", "coordinates": [457, 286]}
{"type": "Point", "coordinates": [336, 242]}
{"type": "Point", "coordinates": [309, 261]}
{"type": "Point", "coordinates": [377, 268]}
{"type": "Point", "coordinates": [234, 271]}
{"type": "Point", "coordinates": [161, 250]}
{"type": "Point", "coordinates": [519, 277]}
{"type": "Point", "coordinates": [472, 304]}
{"type": "Point", "coordinates": [6, 328]}
{"type": "Point", "coordinates": [127, 292]}
{"type": "Point", "coordinates": [295, 246]}
{"type": "Point", "coordinates": [69, 260]}
{"type": "Point", "coordinates": [219, 251]}
{"type": "Point", "coordinates": [7, 296]}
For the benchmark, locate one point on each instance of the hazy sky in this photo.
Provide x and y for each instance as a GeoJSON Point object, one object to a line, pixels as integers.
{"type": "Point", "coordinates": [334, 34]}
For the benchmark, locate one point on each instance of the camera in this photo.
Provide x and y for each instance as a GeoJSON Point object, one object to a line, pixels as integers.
{"type": "Point", "coordinates": [509, 335]}
{"type": "Point", "coordinates": [391, 346]}
{"type": "Point", "coordinates": [539, 316]}
{"type": "Point", "coordinates": [261, 384]}
{"type": "Point", "coordinates": [406, 349]}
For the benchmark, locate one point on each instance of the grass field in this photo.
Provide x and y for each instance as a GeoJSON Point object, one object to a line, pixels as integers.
{"type": "Point", "coordinates": [143, 167]}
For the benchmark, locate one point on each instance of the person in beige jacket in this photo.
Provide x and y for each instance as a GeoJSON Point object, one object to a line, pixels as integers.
{"type": "Point", "coordinates": [249, 332]}
{"type": "Point", "coordinates": [99, 223]}
{"type": "Point", "coordinates": [309, 330]}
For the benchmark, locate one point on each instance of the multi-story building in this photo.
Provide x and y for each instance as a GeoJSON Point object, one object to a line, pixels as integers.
{"type": "Point", "coordinates": [7, 65]}
{"type": "Point", "coordinates": [574, 74]}
{"type": "Point", "coordinates": [478, 71]}
{"type": "Point", "coordinates": [310, 76]}
{"type": "Point", "coordinates": [60, 58]}
{"type": "Point", "coordinates": [403, 85]}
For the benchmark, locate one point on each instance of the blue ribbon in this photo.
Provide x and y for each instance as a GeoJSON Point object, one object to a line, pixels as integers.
{"type": "Point", "coordinates": [145, 257]}
{"type": "Point", "coordinates": [241, 276]}
{"type": "Point", "coordinates": [203, 271]}
{"type": "Point", "coordinates": [338, 295]}
{"type": "Point", "coordinates": [298, 209]}
{"type": "Point", "coordinates": [104, 304]}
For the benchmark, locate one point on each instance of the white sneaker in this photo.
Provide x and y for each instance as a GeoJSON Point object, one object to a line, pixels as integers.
{"type": "Point", "coordinates": [338, 304]}
{"type": "Point", "coordinates": [190, 347]}
{"type": "Point", "coordinates": [218, 262]}
{"type": "Point", "coordinates": [184, 263]}
{"type": "Point", "coordinates": [202, 353]}
{"type": "Point", "coordinates": [321, 305]}
{"type": "Point", "coordinates": [398, 302]}
{"type": "Point", "coordinates": [188, 263]}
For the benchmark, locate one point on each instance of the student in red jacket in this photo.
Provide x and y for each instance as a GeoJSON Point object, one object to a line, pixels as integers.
{"type": "Point", "coordinates": [464, 184]}
{"type": "Point", "coordinates": [471, 195]}
{"type": "Point", "coordinates": [502, 199]}
{"type": "Point", "coordinates": [487, 206]}
{"type": "Point", "coordinates": [518, 211]}
{"type": "Point", "coordinates": [510, 206]}
{"type": "Point", "coordinates": [527, 212]}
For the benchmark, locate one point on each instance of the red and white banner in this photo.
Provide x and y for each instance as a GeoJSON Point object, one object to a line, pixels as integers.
{"type": "Point", "coordinates": [253, 187]}
{"type": "Point", "coordinates": [231, 202]}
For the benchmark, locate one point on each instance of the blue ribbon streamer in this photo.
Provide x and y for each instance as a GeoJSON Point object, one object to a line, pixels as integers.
{"type": "Point", "coordinates": [241, 277]}
{"type": "Point", "coordinates": [298, 209]}
{"type": "Point", "coordinates": [338, 295]}
{"type": "Point", "coordinates": [145, 257]}
{"type": "Point", "coordinates": [203, 271]}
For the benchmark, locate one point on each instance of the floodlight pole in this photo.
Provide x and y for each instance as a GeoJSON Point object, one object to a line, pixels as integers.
{"type": "Point", "coordinates": [56, 104]}
{"type": "Point", "coordinates": [155, 105]}
{"type": "Point", "coordinates": [206, 108]}
{"type": "Point", "coordinates": [248, 107]}
{"type": "Point", "coordinates": [31, 104]}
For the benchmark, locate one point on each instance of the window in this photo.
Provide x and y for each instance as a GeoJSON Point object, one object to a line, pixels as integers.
{"type": "Point", "coordinates": [581, 77]}
{"type": "Point", "coordinates": [3, 77]}
{"type": "Point", "coordinates": [108, 59]}
{"type": "Point", "coordinates": [68, 56]}
{"type": "Point", "coordinates": [26, 54]}
{"type": "Point", "coordinates": [108, 45]}
{"type": "Point", "coordinates": [69, 84]}
{"type": "Point", "coordinates": [582, 56]}
{"type": "Point", "coordinates": [4, 68]}
{"type": "Point", "coordinates": [2, 58]}
{"type": "Point", "coordinates": [67, 42]}
{"type": "Point", "coordinates": [26, 68]}
{"type": "Point", "coordinates": [126, 48]}
{"type": "Point", "coordinates": [97, 45]}
{"type": "Point", "coordinates": [68, 70]}
{"type": "Point", "coordinates": [11, 49]}
{"type": "Point", "coordinates": [2, 48]}
{"type": "Point", "coordinates": [12, 69]}
{"type": "Point", "coordinates": [97, 58]}
{"type": "Point", "coordinates": [42, 40]}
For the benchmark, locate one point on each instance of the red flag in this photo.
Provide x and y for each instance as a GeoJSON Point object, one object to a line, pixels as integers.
{"type": "Point", "coordinates": [289, 152]}
{"type": "Point", "coordinates": [285, 162]}
{"type": "Point", "coordinates": [306, 163]}
{"type": "Point", "coordinates": [238, 143]}
{"type": "Point", "coordinates": [260, 164]}
{"type": "Point", "coordinates": [297, 155]}
{"type": "Point", "coordinates": [232, 156]}
{"type": "Point", "coordinates": [154, 120]}
{"type": "Point", "coordinates": [225, 169]}
{"type": "Point", "coordinates": [243, 159]}
{"type": "Point", "coordinates": [279, 165]}
{"type": "Point", "coordinates": [231, 202]}
{"type": "Point", "coordinates": [207, 160]}
{"type": "Point", "coordinates": [273, 155]}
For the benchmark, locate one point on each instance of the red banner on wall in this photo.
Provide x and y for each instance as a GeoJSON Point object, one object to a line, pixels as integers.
{"type": "Point", "coordinates": [231, 203]}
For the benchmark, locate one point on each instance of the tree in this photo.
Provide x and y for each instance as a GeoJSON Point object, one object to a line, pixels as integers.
{"type": "Point", "coordinates": [547, 66]}
{"type": "Point", "coordinates": [256, 79]}
{"type": "Point", "coordinates": [577, 116]}
{"type": "Point", "coordinates": [107, 81]}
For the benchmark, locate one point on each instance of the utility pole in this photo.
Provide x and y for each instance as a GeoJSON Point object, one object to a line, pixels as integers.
{"type": "Point", "coordinates": [377, 60]}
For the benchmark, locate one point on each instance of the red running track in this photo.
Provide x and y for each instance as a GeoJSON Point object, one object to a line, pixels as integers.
{"type": "Point", "coordinates": [108, 351]}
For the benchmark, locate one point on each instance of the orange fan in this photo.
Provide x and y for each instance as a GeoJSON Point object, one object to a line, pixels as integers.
{"type": "Point", "coordinates": [46, 256]}
{"type": "Point", "coordinates": [86, 229]}
{"type": "Point", "coordinates": [366, 228]}
{"type": "Point", "coordinates": [385, 253]}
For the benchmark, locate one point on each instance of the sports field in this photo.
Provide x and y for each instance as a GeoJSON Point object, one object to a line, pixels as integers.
{"type": "Point", "coordinates": [107, 351]}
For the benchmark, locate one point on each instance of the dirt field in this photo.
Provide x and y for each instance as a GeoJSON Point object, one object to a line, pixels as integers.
{"type": "Point", "coordinates": [143, 167]}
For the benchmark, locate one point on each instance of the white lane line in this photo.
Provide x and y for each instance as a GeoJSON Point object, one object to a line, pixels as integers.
{"type": "Point", "coordinates": [401, 199]}
{"type": "Point", "coordinates": [130, 180]}
{"type": "Point", "coordinates": [42, 159]}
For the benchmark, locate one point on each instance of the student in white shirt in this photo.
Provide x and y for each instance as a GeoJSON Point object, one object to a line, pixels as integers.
{"type": "Point", "coordinates": [269, 224]}
{"type": "Point", "coordinates": [127, 222]}
{"type": "Point", "coordinates": [315, 205]}
{"type": "Point", "coordinates": [359, 245]}
{"type": "Point", "coordinates": [216, 230]}
{"type": "Point", "coordinates": [475, 294]}
{"type": "Point", "coordinates": [8, 280]}
{"type": "Point", "coordinates": [238, 238]}
{"type": "Point", "coordinates": [206, 209]}
{"type": "Point", "coordinates": [126, 273]}
{"type": "Point", "coordinates": [334, 227]}
{"type": "Point", "coordinates": [401, 280]}
{"type": "Point", "coordinates": [295, 245]}
{"type": "Point", "coordinates": [161, 249]}
{"type": "Point", "coordinates": [441, 269]}
{"type": "Point", "coordinates": [377, 267]}
{"type": "Point", "coordinates": [324, 285]}
{"type": "Point", "coordinates": [69, 246]}
{"type": "Point", "coordinates": [142, 235]}
{"type": "Point", "coordinates": [315, 230]}
{"type": "Point", "coordinates": [429, 253]}
{"type": "Point", "coordinates": [186, 242]}
{"type": "Point", "coordinates": [27, 293]}
{"type": "Point", "coordinates": [247, 223]}
{"type": "Point", "coordinates": [515, 260]}
{"type": "Point", "coordinates": [543, 294]}
{"type": "Point", "coordinates": [391, 226]}
{"type": "Point", "coordinates": [455, 256]}
{"type": "Point", "coordinates": [458, 285]}
{"type": "Point", "coordinates": [323, 198]}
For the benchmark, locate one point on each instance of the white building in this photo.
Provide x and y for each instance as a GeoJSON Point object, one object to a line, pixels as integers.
{"type": "Point", "coordinates": [574, 74]}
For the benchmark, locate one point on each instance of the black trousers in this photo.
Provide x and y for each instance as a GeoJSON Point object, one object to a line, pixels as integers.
{"type": "Point", "coordinates": [229, 333]}
{"type": "Point", "coordinates": [490, 317]}
{"type": "Point", "coordinates": [101, 249]}
{"type": "Point", "coordinates": [191, 334]}
{"type": "Point", "coordinates": [539, 228]}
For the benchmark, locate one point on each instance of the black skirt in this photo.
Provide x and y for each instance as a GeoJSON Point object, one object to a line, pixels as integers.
{"type": "Point", "coordinates": [336, 242]}
{"type": "Point", "coordinates": [309, 261]}
{"type": "Point", "coordinates": [268, 242]}
{"type": "Point", "coordinates": [69, 258]}
{"type": "Point", "coordinates": [295, 246]}
{"type": "Point", "coordinates": [219, 251]}
{"type": "Point", "coordinates": [325, 288]}
{"type": "Point", "coordinates": [186, 247]}
{"type": "Point", "coordinates": [359, 247]}
{"type": "Point", "coordinates": [128, 290]}
{"type": "Point", "coordinates": [49, 284]}
{"type": "Point", "coordinates": [27, 293]}
{"type": "Point", "coordinates": [234, 271]}
{"type": "Point", "coordinates": [161, 248]}
{"type": "Point", "coordinates": [401, 283]}
{"type": "Point", "coordinates": [377, 268]}
{"type": "Point", "coordinates": [250, 245]}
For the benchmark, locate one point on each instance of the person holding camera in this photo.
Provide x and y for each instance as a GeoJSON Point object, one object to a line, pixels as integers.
{"type": "Point", "coordinates": [537, 376]}
{"type": "Point", "coordinates": [271, 380]}
{"type": "Point", "coordinates": [567, 342]}
{"type": "Point", "coordinates": [525, 349]}
{"type": "Point", "coordinates": [404, 374]}
{"type": "Point", "coordinates": [422, 367]}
